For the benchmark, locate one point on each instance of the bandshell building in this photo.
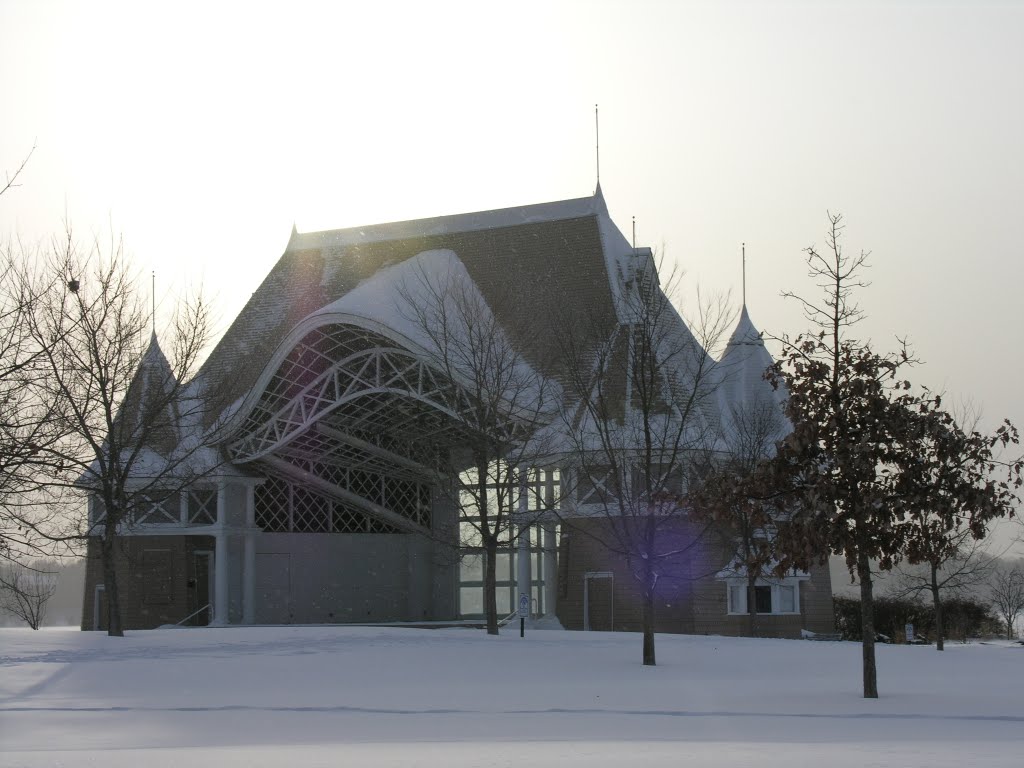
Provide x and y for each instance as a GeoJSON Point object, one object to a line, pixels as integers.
{"type": "Point", "coordinates": [330, 425]}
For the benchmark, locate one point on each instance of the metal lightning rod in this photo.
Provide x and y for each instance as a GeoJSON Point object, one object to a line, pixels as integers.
{"type": "Point", "coordinates": [744, 247]}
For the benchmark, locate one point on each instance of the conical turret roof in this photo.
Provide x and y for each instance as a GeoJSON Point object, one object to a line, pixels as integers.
{"type": "Point", "coordinates": [744, 390]}
{"type": "Point", "coordinates": [146, 412]}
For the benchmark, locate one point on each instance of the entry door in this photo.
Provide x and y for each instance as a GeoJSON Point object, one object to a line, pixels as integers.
{"type": "Point", "coordinates": [200, 592]}
{"type": "Point", "coordinates": [599, 601]}
{"type": "Point", "coordinates": [273, 588]}
{"type": "Point", "coordinates": [100, 615]}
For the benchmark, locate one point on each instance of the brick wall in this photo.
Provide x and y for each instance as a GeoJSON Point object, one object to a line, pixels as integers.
{"type": "Point", "coordinates": [153, 575]}
{"type": "Point", "coordinates": [690, 601]}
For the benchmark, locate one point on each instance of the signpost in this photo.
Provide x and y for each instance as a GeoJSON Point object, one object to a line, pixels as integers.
{"type": "Point", "coordinates": [524, 611]}
{"type": "Point", "coordinates": [909, 629]}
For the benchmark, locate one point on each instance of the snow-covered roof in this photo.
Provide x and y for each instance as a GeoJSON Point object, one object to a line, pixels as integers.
{"type": "Point", "coordinates": [388, 301]}
{"type": "Point", "coordinates": [568, 257]}
{"type": "Point", "coordinates": [743, 388]}
{"type": "Point", "coordinates": [550, 249]}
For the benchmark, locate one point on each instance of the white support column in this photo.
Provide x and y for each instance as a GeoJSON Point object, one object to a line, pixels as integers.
{"type": "Point", "coordinates": [523, 565]}
{"type": "Point", "coordinates": [220, 560]}
{"type": "Point", "coordinates": [220, 579]}
{"type": "Point", "coordinates": [183, 506]}
{"type": "Point", "coordinates": [523, 550]}
{"type": "Point", "coordinates": [249, 573]}
{"type": "Point", "coordinates": [550, 569]}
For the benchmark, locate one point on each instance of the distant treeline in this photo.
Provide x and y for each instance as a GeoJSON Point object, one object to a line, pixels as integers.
{"type": "Point", "coordinates": [964, 618]}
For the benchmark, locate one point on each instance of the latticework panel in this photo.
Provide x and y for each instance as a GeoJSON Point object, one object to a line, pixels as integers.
{"type": "Point", "coordinates": [202, 507]}
{"type": "Point", "coordinates": [311, 513]}
{"type": "Point", "coordinates": [286, 507]}
{"type": "Point", "coordinates": [273, 506]}
{"type": "Point", "coordinates": [151, 509]}
{"type": "Point", "coordinates": [412, 500]}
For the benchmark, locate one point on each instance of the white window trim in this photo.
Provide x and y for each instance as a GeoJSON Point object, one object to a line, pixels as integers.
{"type": "Point", "coordinates": [741, 609]}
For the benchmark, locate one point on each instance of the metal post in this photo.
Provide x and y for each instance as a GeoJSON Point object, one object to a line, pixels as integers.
{"type": "Point", "coordinates": [523, 548]}
{"type": "Point", "coordinates": [220, 559]}
{"type": "Point", "coordinates": [220, 579]}
{"type": "Point", "coordinates": [550, 569]}
{"type": "Point", "coordinates": [249, 575]}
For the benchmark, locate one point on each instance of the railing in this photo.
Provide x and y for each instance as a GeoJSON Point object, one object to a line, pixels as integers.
{"type": "Point", "coordinates": [194, 613]}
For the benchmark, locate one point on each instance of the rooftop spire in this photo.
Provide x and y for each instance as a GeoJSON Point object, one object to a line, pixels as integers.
{"type": "Point", "coordinates": [597, 145]}
{"type": "Point", "coordinates": [743, 246]}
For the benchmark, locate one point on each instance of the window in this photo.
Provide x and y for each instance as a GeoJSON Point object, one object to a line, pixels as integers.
{"type": "Point", "coordinates": [763, 598]}
{"type": "Point", "coordinates": [768, 598]}
{"type": "Point", "coordinates": [787, 599]}
{"type": "Point", "coordinates": [737, 598]}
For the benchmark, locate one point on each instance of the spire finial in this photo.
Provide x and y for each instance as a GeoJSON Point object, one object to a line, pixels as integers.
{"type": "Point", "coordinates": [744, 247]}
{"type": "Point", "coordinates": [154, 302]}
{"type": "Point", "coordinates": [597, 144]}
{"type": "Point", "coordinates": [634, 235]}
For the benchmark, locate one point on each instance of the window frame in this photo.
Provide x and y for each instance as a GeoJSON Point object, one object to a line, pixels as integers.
{"type": "Point", "coordinates": [736, 592]}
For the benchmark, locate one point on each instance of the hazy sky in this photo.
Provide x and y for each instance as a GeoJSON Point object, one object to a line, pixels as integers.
{"type": "Point", "coordinates": [203, 131]}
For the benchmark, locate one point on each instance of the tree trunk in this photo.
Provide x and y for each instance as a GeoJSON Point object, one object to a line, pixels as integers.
{"type": "Point", "coordinates": [939, 628]}
{"type": "Point", "coordinates": [752, 603]}
{"type": "Point", "coordinates": [648, 619]}
{"type": "Point", "coordinates": [110, 591]}
{"type": "Point", "coordinates": [867, 619]}
{"type": "Point", "coordinates": [490, 598]}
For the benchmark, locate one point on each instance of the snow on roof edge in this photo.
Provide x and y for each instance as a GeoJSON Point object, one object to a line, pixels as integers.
{"type": "Point", "coordinates": [459, 222]}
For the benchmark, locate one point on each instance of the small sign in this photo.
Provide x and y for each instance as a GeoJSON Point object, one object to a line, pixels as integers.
{"type": "Point", "coordinates": [910, 633]}
{"type": "Point", "coordinates": [524, 606]}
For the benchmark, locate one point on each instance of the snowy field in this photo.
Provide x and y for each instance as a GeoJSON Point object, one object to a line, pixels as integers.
{"type": "Point", "coordinates": [336, 696]}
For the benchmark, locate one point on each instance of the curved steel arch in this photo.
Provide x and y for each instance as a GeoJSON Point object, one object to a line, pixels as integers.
{"type": "Point", "coordinates": [375, 371]}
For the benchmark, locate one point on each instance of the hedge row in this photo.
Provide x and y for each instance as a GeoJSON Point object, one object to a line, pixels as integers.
{"type": "Point", "coordinates": [962, 617]}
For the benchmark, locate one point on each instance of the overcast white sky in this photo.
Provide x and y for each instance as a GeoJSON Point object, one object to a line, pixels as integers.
{"type": "Point", "coordinates": [202, 131]}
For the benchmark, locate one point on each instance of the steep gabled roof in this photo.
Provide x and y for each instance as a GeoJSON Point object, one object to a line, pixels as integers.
{"type": "Point", "coordinates": [561, 257]}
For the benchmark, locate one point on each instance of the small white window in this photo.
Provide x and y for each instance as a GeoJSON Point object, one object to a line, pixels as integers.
{"type": "Point", "coordinates": [737, 598]}
{"type": "Point", "coordinates": [770, 598]}
{"type": "Point", "coordinates": [787, 601]}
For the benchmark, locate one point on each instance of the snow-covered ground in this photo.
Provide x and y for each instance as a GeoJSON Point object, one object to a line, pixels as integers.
{"type": "Point", "coordinates": [346, 696]}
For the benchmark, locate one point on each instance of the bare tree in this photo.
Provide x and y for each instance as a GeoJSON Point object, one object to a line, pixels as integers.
{"type": "Point", "coordinates": [25, 591]}
{"type": "Point", "coordinates": [1006, 591]}
{"type": "Point", "coordinates": [508, 401]}
{"type": "Point", "coordinates": [11, 179]}
{"type": "Point", "coordinates": [640, 421]}
{"type": "Point", "coordinates": [850, 416]}
{"type": "Point", "coordinates": [26, 423]}
{"type": "Point", "coordinates": [727, 497]}
{"type": "Point", "coordinates": [878, 470]}
{"type": "Point", "coordinates": [954, 484]}
{"type": "Point", "coordinates": [125, 420]}
{"type": "Point", "coordinates": [952, 561]}
{"type": "Point", "coordinates": [947, 575]}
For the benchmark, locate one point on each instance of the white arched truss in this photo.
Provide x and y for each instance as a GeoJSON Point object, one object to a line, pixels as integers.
{"type": "Point", "coordinates": [360, 381]}
{"type": "Point", "coordinates": [351, 415]}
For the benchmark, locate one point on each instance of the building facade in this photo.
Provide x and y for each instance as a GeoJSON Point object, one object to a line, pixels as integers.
{"type": "Point", "coordinates": [332, 427]}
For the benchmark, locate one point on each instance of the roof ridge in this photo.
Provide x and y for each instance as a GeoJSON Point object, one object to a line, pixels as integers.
{"type": "Point", "coordinates": [531, 213]}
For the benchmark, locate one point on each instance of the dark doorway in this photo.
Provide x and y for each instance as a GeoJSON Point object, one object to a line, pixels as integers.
{"type": "Point", "coordinates": [199, 589]}
{"type": "Point", "coordinates": [599, 605]}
